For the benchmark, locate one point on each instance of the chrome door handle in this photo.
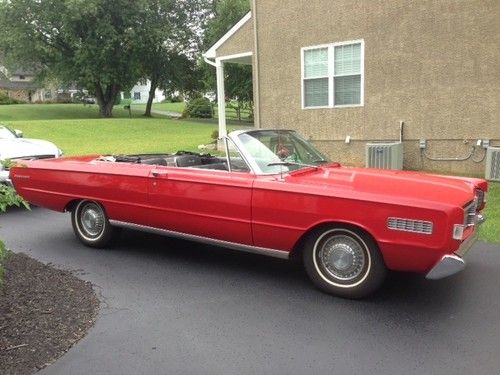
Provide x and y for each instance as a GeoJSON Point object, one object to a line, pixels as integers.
{"type": "Point", "coordinates": [158, 173]}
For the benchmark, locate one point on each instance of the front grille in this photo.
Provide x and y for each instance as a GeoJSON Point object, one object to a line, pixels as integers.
{"type": "Point", "coordinates": [480, 197]}
{"type": "Point", "coordinates": [410, 225]}
{"type": "Point", "coordinates": [470, 213]}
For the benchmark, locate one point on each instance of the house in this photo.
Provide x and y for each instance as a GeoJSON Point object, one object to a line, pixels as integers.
{"type": "Point", "coordinates": [20, 84]}
{"type": "Point", "coordinates": [347, 73]}
{"type": "Point", "coordinates": [140, 93]}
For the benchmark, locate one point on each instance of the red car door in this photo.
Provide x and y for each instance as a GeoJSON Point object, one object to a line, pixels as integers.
{"type": "Point", "coordinates": [203, 202]}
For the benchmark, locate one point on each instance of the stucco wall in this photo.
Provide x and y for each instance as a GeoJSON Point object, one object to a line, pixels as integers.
{"type": "Point", "coordinates": [432, 64]}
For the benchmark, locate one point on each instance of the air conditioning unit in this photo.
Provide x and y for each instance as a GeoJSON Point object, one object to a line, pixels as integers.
{"type": "Point", "coordinates": [493, 163]}
{"type": "Point", "coordinates": [384, 155]}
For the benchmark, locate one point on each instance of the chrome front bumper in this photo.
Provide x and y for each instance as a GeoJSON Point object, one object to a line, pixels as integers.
{"type": "Point", "coordinates": [451, 264]}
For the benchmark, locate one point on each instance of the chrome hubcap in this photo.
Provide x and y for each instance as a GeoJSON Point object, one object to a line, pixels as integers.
{"type": "Point", "coordinates": [342, 257]}
{"type": "Point", "coordinates": [92, 220]}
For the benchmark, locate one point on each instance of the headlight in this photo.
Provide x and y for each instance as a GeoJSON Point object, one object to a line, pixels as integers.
{"type": "Point", "coordinates": [60, 152]}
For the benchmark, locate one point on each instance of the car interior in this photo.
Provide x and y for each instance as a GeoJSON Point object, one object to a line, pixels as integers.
{"type": "Point", "coordinates": [181, 159]}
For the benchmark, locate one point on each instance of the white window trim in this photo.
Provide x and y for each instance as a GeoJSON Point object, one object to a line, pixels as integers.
{"type": "Point", "coordinates": [331, 62]}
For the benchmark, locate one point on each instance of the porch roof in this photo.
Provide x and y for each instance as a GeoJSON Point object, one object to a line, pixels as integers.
{"type": "Point", "coordinates": [237, 45]}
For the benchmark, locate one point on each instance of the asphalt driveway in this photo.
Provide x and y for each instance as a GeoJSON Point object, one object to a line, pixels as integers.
{"type": "Point", "coordinates": [170, 306]}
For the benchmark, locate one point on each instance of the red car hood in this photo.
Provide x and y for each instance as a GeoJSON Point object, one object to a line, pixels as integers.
{"type": "Point", "coordinates": [388, 185]}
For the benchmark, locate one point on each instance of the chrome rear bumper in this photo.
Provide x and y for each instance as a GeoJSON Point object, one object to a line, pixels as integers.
{"type": "Point", "coordinates": [451, 264]}
{"type": "Point", "coordinates": [4, 178]}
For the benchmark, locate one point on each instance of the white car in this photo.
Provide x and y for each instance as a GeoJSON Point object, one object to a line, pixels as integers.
{"type": "Point", "coordinates": [14, 147]}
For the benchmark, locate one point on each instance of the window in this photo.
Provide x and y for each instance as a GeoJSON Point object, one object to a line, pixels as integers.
{"type": "Point", "coordinates": [332, 75]}
{"type": "Point", "coordinates": [316, 77]}
{"type": "Point", "coordinates": [236, 161]}
{"type": "Point", "coordinates": [137, 96]}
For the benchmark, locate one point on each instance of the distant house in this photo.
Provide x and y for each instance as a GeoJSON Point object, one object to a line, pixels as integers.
{"type": "Point", "coordinates": [346, 73]}
{"type": "Point", "coordinates": [21, 85]}
{"type": "Point", "coordinates": [140, 93]}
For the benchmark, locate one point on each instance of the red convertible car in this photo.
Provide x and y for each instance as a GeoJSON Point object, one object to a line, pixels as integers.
{"type": "Point", "coordinates": [271, 192]}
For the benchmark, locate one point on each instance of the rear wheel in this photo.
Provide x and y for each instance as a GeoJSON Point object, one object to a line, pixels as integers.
{"type": "Point", "coordinates": [343, 261]}
{"type": "Point", "coordinates": [91, 224]}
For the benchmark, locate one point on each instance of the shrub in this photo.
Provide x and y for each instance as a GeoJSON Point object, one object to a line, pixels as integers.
{"type": "Point", "coordinates": [5, 99]}
{"type": "Point", "coordinates": [176, 99]}
{"type": "Point", "coordinates": [9, 197]}
{"type": "Point", "coordinates": [198, 108]}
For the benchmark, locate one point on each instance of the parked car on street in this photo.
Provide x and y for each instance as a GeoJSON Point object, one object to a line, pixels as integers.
{"type": "Point", "coordinates": [13, 147]}
{"type": "Point", "coordinates": [271, 192]}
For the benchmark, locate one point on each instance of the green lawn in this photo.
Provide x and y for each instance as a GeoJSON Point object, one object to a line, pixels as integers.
{"type": "Point", "coordinates": [78, 130]}
{"type": "Point", "coordinates": [118, 135]}
{"type": "Point", "coordinates": [490, 230]}
{"type": "Point", "coordinates": [53, 112]}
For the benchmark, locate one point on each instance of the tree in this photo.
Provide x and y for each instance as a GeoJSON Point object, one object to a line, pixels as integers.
{"type": "Point", "coordinates": [238, 78]}
{"type": "Point", "coordinates": [171, 43]}
{"type": "Point", "coordinates": [93, 43]}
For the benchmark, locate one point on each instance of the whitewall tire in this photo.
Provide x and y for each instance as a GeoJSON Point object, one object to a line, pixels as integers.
{"type": "Point", "coordinates": [343, 261]}
{"type": "Point", "coordinates": [91, 224]}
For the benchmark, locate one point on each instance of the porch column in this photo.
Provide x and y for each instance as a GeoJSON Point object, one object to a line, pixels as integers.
{"type": "Point", "coordinates": [221, 97]}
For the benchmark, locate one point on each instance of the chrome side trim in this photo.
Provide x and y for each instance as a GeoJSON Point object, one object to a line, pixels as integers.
{"type": "Point", "coordinates": [210, 241]}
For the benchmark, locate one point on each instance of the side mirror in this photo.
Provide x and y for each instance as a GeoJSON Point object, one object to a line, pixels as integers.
{"type": "Point", "coordinates": [19, 133]}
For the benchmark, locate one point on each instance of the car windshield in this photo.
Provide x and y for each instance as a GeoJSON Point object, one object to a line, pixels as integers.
{"type": "Point", "coordinates": [6, 133]}
{"type": "Point", "coordinates": [278, 151]}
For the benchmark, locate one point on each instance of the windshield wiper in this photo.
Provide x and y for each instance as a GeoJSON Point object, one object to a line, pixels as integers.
{"type": "Point", "coordinates": [292, 163]}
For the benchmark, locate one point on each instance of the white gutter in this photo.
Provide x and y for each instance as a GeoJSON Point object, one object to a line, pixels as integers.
{"type": "Point", "coordinates": [208, 61]}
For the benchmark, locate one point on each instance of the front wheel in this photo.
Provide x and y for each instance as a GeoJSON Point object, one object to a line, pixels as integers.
{"type": "Point", "coordinates": [343, 261]}
{"type": "Point", "coordinates": [91, 224]}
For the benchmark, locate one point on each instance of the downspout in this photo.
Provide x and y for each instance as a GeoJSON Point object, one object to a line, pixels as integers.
{"type": "Point", "coordinates": [256, 66]}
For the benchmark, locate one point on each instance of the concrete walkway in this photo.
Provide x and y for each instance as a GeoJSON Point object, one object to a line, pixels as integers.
{"type": "Point", "coordinates": [167, 113]}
